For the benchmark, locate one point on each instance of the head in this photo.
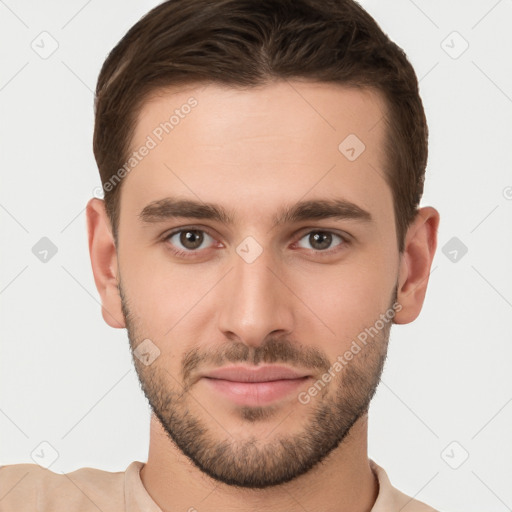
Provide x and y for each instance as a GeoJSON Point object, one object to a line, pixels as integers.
{"type": "Point", "coordinates": [262, 165]}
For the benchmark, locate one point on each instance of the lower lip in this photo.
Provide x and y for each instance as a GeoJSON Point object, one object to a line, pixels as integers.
{"type": "Point", "coordinates": [255, 393]}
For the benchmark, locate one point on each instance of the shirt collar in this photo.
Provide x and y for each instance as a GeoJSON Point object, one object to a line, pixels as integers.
{"type": "Point", "coordinates": [137, 498]}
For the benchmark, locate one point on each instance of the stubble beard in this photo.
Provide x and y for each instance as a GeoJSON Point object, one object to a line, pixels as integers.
{"type": "Point", "coordinates": [253, 462]}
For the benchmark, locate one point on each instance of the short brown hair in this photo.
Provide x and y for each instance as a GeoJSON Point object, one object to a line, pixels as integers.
{"type": "Point", "coordinates": [252, 42]}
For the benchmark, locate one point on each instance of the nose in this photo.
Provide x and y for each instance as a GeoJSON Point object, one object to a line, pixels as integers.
{"type": "Point", "coordinates": [255, 301]}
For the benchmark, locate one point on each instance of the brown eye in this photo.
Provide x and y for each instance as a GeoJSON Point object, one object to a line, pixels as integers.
{"type": "Point", "coordinates": [320, 240]}
{"type": "Point", "coordinates": [188, 239]}
{"type": "Point", "coordinates": [191, 239]}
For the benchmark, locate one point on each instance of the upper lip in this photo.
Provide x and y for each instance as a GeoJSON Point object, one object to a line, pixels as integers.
{"type": "Point", "coordinates": [255, 373]}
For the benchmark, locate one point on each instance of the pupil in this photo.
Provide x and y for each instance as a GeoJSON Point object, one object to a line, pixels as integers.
{"type": "Point", "coordinates": [314, 238]}
{"type": "Point", "coordinates": [191, 239]}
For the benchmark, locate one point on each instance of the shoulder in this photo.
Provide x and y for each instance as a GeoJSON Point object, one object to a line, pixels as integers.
{"type": "Point", "coordinates": [25, 487]}
{"type": "Point", "coordinates": [391, 499]}
{"type": "Point", "coordinates": [407, 504]}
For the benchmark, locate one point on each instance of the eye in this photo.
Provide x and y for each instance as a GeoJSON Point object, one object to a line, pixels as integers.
{"type": "Point", "coordinates": [188, 240]}
{"type": "Point", "coordinates": [321, 241]}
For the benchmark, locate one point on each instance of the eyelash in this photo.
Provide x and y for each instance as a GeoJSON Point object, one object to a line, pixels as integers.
{"type": "Point", "coordinates": [191, 254]}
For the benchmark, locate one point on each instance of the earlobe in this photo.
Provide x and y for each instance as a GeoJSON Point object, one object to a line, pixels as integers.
{"type": "Point", "coordinates": [415, 264]}
{"type": "Point", "coordinates": [103, 255]}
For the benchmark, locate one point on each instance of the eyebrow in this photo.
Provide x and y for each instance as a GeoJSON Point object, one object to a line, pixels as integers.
{"type": "Point", "coordinates": [173, 208]}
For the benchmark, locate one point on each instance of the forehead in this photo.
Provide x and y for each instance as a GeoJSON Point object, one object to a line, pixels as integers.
{"type": "Point", "coordinates": [279, 142]}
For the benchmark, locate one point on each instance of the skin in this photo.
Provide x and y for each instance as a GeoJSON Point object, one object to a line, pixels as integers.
{"type": "Point", "coordinates": [254, 151]}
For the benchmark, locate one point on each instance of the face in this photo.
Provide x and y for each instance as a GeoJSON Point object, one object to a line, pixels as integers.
{"type": "Point", "coordinates": [257, 249]}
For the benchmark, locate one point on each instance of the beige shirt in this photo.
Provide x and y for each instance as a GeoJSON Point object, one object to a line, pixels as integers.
{"type": "Point", "coordinates": [29, 487]}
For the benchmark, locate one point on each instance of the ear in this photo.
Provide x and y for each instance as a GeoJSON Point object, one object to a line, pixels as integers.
{"type": "Point", "coordinates": [103, 254]}
{"type": "Point", "coordinates": [415, 263]}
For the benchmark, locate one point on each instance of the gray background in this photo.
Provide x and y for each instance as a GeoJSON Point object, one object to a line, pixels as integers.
{"type": "Point", "coordinates": [67, 378]}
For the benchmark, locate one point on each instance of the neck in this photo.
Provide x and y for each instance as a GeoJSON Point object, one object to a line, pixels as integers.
{"type": "Point", "coordinates": [343, 482]}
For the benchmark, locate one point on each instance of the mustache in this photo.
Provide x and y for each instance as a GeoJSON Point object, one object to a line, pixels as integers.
{"type": "Point", "coordinates": [273, 350]}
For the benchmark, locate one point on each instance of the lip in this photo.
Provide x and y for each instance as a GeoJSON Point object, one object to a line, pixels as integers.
{"type": "Point", "coordinates": [254, 386]}
{"type": "Point", "coordinates": [255, 373]}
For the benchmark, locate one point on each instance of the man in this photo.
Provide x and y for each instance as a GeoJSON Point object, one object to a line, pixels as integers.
{"type": "Point", "coordinates": [262, 164]}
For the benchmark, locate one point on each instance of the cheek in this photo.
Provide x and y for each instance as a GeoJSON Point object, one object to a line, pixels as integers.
{"type": "Point", "coordinates": [149, 284]}
{"type": "Point", "coordinates": [346, 298]}
{"type": "Point", "coordinates": [341, 298]}
{"type": "Point", "coordinates": [162, 292]}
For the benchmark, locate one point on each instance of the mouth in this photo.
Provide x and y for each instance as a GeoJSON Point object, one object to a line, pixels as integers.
{"type": "Point", "coordinates": [255, 386]}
